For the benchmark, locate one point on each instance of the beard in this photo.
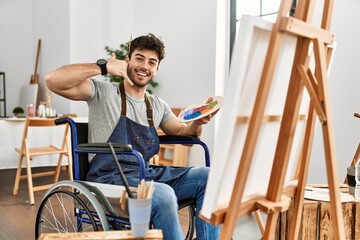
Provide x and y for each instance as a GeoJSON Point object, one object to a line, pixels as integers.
{"type": "Point", "coordinates": [131, 74]}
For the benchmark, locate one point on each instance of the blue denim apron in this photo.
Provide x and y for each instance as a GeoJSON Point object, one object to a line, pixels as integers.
{"type": "Point", "coordinates": [143, 139]}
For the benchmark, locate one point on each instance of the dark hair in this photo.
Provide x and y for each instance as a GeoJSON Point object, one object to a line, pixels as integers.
{"type": "Point", "coordinates": [149, 42]}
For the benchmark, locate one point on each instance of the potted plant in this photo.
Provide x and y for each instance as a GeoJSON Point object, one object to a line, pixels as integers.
{"type": "Point", "coordinates": [121, 53]}
{"type": "Point", "coordinates": [18, 111]}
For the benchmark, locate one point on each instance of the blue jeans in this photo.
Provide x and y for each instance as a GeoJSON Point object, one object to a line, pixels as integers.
{"type": "Point", "coordinates": [164, 214]}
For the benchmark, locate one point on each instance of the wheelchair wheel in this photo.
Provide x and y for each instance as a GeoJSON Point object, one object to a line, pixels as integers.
{"type": "Point", "coordinates": [187, 221]}
{"type": "Point", "coordinates": [69, 207]}
{"type": "Point", "coordinates": [60, 213]}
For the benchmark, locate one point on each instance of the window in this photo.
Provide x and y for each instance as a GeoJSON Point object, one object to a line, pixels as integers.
{"type": "Point", "coordinates": [266, 9]}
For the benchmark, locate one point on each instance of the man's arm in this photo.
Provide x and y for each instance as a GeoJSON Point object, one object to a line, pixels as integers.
{"type": "Point", "coordinates": [173, 126]}
{"type": "Point", "coordinates": [72, 81]}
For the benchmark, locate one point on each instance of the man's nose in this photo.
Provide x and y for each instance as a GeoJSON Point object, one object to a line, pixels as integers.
{"type": "Point", "coordinates": [146, 64]}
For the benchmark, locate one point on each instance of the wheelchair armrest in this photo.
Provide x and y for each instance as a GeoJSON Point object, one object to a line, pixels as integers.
{"type": "Point", "coordinates": [177, 138]}
{"type": "Point", "coordinates": [186, 140]}
{"type": "Point", "coordinates": [118, 147]}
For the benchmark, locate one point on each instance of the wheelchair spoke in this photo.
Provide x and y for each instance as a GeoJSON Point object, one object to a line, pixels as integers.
{"type": "Point", "coordinates": [65, 214]}
{"type": "Point", "coordinates": [63, 211]}
{"type": "Point", "coordinates": [56, 224]}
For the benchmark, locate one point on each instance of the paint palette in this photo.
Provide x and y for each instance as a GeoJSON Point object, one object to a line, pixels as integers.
{"type": "Point", "coordinates": [195, 112]}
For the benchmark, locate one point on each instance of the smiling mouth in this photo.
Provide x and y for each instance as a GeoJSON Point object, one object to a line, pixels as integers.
{"type": "Point", "coordinates": [142, 74]}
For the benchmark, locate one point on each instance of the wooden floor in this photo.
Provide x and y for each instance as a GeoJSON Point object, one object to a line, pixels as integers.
{"type": "Point", "coordinates": [17, 216]}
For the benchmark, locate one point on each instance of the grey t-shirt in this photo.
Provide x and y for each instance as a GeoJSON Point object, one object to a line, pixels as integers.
{"type": "Point", "coordinates": [105, 109]}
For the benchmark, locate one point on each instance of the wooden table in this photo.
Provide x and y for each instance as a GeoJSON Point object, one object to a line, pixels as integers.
{"type": "Point", "coordinates": [153, 234]}
{"type": "Point", "coordinates": [316, 219]}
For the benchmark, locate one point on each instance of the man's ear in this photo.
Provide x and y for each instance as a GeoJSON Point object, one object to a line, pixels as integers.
{"type": "Point", "coordinates": [127, 58]}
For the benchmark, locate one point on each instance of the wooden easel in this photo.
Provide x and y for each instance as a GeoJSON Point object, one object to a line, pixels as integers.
{"type": "Point", "coordinates": [277, 198]}
{"type": "Point", "coordinates": [35, 77]}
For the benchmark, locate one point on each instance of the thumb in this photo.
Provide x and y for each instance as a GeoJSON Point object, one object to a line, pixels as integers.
{"type": "Point", "coordinates": [113, 56]}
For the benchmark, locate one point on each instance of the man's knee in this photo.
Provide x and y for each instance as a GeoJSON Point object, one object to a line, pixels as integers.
{"type": "Point", "coordinates": [164, 198]}
{"type": "Point", "coordinates": [200, 175]}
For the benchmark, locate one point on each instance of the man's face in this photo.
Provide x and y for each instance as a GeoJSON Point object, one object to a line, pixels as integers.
{"type": "Point", "coordinates": [142, 67]}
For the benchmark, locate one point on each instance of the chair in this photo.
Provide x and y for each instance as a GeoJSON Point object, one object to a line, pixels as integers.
{"type": "Point", "coordinates": [96, 204]}
{"type": "Point", "coordinates": [29, 152]}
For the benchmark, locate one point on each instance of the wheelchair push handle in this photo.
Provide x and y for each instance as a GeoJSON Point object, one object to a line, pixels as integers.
{"type": "Point", "coordinates": [60, 121]}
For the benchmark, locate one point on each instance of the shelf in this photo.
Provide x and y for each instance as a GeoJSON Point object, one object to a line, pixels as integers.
{"type": "Point", "coordinates": [173, 154]}
{"type": "Point", "coordinates": [168, 146]}
{"type": "Point", "coordinates": [179, 155]}
{"type": "Point", "coordinates": [3, 96]}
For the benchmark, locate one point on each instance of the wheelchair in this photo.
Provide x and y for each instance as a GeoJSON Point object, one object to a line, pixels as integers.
{"type": "Point", "coordinates": [81, 206]}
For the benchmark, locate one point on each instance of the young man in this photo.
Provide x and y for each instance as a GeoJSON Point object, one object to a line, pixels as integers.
{"type": "Point", "coordinates": [126, 113]}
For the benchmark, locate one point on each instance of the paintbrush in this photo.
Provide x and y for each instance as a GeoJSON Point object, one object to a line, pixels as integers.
{"type": "Point", "coordinates": [123, 178]}
{"type": "Point", "coordinates": [150, 190]}
{"type": "Point", "coordinates": [142, 190]}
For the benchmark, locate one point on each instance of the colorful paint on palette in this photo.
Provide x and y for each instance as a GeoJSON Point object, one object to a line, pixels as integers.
{"type": "Point", "coordinates": [196, 112]}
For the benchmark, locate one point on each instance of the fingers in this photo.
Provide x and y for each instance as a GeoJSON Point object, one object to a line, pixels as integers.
{"type": "Point", "coordinates": [204, 120]}
{"type": "Point", "coordinates": [127, 79]}
{"type": "Point", "coordinates": [210, 99]}
{"type": "Point", "coordinates": [118, 67]}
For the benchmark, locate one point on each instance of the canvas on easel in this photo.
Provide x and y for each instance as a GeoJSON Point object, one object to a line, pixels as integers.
{"type": "Point", "coordinates": [261, 155]}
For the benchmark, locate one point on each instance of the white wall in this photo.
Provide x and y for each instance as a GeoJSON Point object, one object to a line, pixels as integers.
{"type": "Point", "coordinates": [52, 22]}
{"type": "Point", "coordinates": [17, 54]}
{"type": "Point", "coordinates": [22, 23]}
{"type": "Point", "coordinates": [78, 31]}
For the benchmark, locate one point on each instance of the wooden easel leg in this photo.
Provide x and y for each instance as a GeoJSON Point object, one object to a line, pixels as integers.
{"type": "Point", "coordinates": [356, 156]}
{"type": "Point", "coordinates": [259, 222]}
{"type": "Point", "coordinates": [329, 143]}
{"type": "Point", "coordinates": [271, 226]}
{"type": "Point", "coordinates": [332, 173]}
{"type": "Point", "coordinates": [303, 173]}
